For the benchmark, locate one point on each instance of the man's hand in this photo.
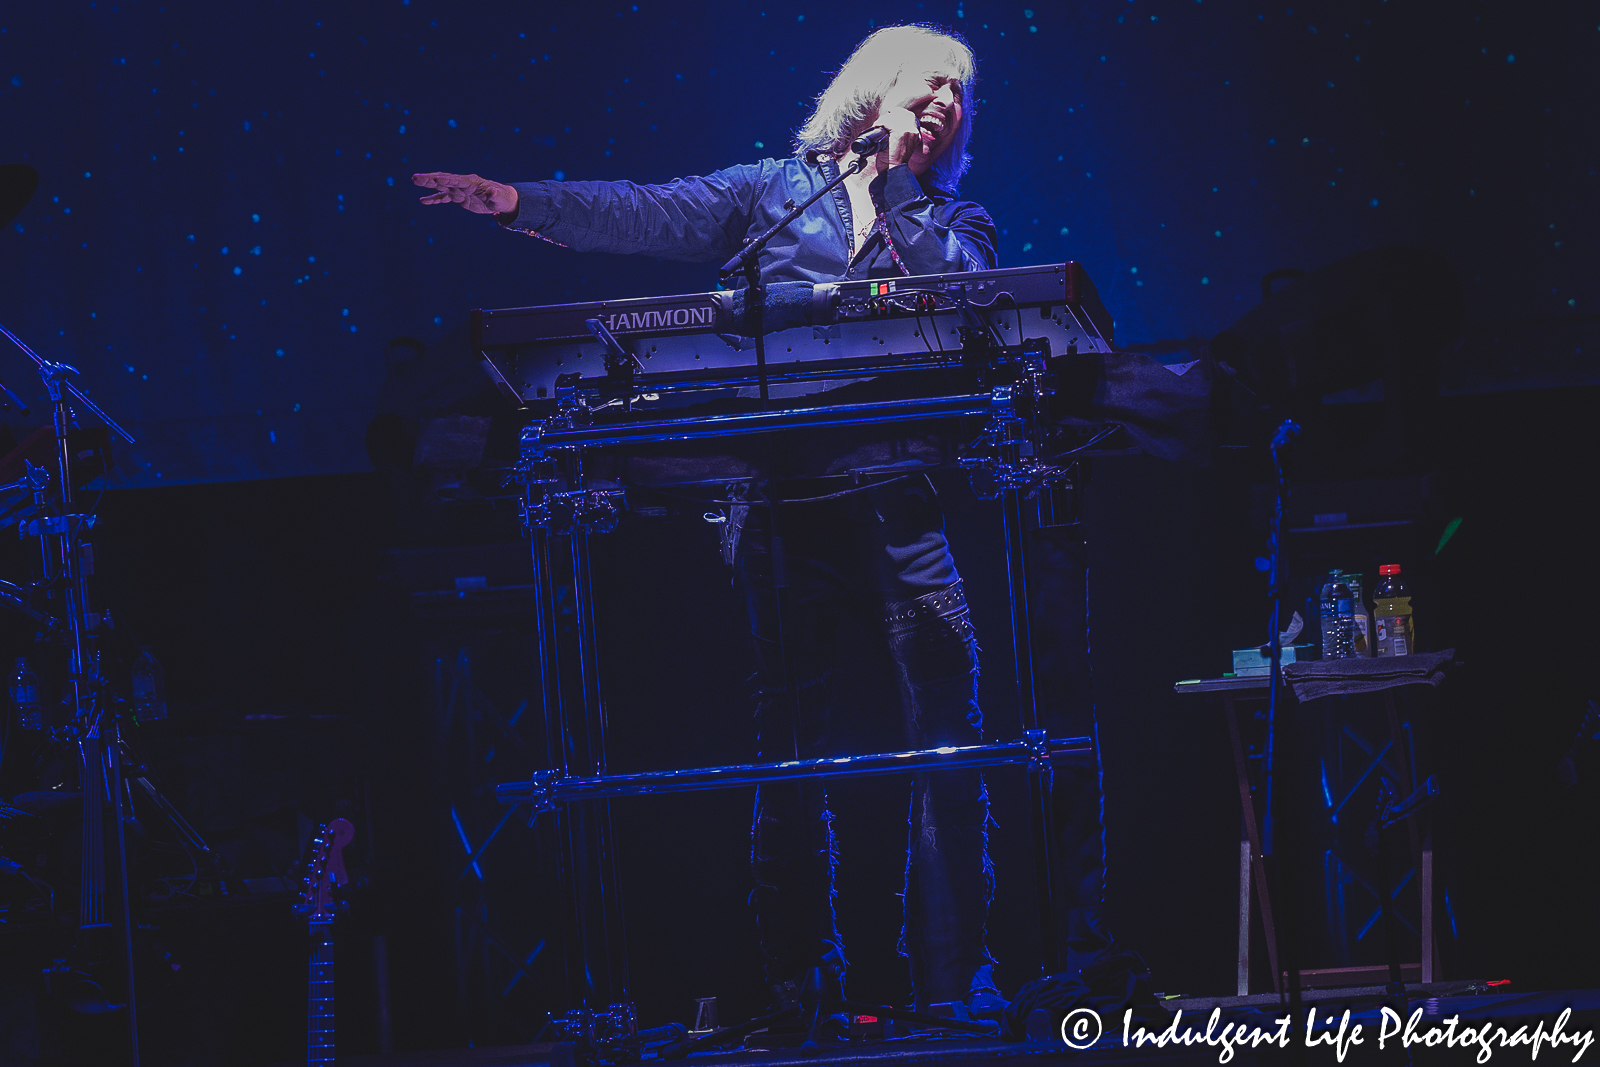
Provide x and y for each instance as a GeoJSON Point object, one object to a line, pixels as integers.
{"type": "Point", "coordinates": [902, 106]}
{"type": "Point", "coordinates": [479, 195]}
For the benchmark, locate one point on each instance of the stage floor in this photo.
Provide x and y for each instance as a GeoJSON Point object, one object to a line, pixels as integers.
{"type": "Point", "coordinates": [1512, 1020]}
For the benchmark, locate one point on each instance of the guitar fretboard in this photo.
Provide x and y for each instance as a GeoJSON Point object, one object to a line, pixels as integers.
{"type": "Point", "coordinates": [319, 997]}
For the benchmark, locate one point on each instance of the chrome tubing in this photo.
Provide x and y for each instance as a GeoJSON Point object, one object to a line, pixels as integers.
{"type": "Point", "coordinates": [780, 374]}
{"type": "Point", "coordinates": [549, 788]}
{"type": "Point", "coordinates": [941, 407]}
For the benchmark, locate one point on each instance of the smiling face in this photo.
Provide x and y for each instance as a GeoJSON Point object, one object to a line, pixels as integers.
{"type": "Point", "coordinates": [939, 118]}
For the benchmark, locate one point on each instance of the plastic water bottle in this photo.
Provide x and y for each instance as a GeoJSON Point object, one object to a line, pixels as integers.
{"type": "Point", "coordinates": [1392, 605]}
{"type": "Point", "coordinates": [1325, 615]}
{"type": "Point", "coordinates": [1338, 618]}
{"type": "Point", "coordinates": [149, 688]}
{"type": "Point", "coordinates": [25, 695]}
{"type": "Point", "coordinates": [1361, 629]}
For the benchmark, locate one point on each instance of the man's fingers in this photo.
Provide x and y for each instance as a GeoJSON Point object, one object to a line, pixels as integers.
{"type": "Point", "coordinates": [475, 193]}
{"type": "Point", "coordinates": [449, 194]}
{"type": "Point", "coordinates": [445, 180]}
{"type": "Point", "coordinates": [437, 179]}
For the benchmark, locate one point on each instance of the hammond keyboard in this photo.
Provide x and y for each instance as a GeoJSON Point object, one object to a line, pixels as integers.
{"type": "Point", "coordinates": [661, 351]}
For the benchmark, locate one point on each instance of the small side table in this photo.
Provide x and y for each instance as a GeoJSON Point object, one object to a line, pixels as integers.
{"type": "Point", "coordinates": [1253, 690]}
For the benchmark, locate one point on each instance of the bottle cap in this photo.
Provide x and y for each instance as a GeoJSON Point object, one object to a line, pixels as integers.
{"type": "Point", "coordinates": [1389, 568]}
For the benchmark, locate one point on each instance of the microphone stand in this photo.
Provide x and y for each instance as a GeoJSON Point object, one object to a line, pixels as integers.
{"type": "Point", "coordinates": [1277, 845]}
{"type": "Point", "coordinates": [94, 727]}
{"type": "Point", "coordinates": [747, 262]}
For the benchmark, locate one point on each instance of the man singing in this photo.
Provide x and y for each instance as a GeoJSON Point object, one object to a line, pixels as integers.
{"type": "Point", "coordinates": [879, 552]}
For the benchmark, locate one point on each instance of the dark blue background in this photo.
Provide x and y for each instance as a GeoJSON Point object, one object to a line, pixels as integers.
{"type": "Point", "coordinates": [225, 237]}
{"type": "Point", "coordinates": [1204, 149]}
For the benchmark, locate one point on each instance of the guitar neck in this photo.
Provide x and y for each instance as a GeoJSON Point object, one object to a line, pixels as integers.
{"type": "Point", "coordinates": [319, 996]}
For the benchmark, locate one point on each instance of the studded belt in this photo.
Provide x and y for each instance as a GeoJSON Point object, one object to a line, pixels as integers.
{"type": "Point", "coordinates": [907, 614]}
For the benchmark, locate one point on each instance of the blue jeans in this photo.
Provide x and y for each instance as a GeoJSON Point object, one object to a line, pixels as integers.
{"type": "Point", "coordinates": [882, 555]}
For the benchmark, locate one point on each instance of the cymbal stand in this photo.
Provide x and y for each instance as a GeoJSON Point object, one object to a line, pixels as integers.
{"type": "Point", "coordinates": [93, 728]}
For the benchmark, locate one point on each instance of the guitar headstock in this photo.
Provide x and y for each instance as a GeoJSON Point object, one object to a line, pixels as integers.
{"type": "Point", "coordinates": [325, 868]}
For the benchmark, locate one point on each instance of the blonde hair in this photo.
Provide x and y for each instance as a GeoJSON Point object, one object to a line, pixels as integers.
{"type": "Point", "coordinates": [858, 90]}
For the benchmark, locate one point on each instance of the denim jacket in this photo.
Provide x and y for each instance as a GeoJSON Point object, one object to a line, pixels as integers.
{"type": "Point", "coordinates": [706, 220]}
{"type": "Point", "coordinates": [920, 230]}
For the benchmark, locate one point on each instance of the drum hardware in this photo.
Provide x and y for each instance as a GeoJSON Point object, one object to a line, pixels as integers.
{"type": "Point", "coordinates": [20, 599]}
{"type": "Point", "coordinates": [92, 722]}
{"type": "Point", "coordinates": [95, 723]}
{"type": "Point", "coordinates": [33, 479]}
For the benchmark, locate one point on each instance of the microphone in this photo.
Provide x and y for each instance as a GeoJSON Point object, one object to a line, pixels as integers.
{"type": "Point", "coordinates": [869, 143]}
{"type": "Point", "coordinates": [872, 142]}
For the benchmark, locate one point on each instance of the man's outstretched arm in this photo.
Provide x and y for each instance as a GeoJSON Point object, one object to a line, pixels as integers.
{"type": "Point", "coordinates": [702, 219]}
